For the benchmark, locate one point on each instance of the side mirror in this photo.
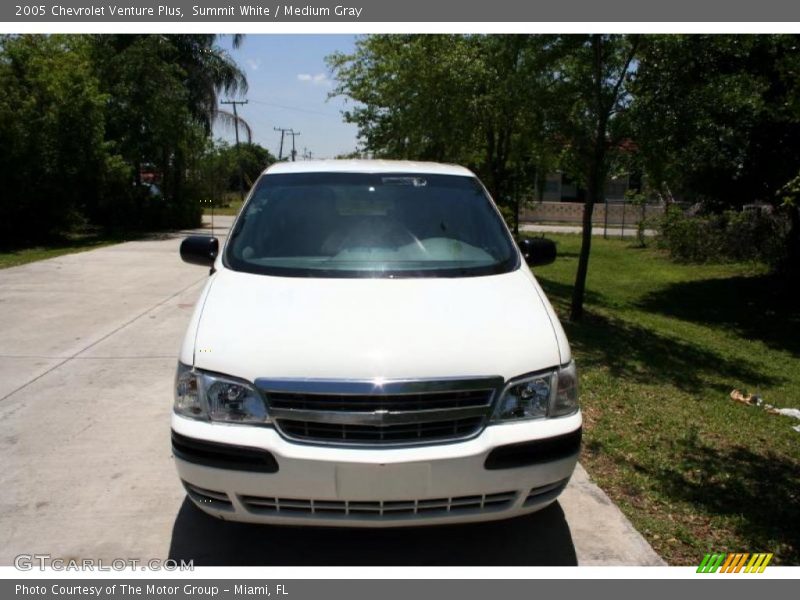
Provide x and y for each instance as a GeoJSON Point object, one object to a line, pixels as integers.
{"type": "Point", "coordinates": [200, 250]}
{"type": "Point", "coordinates": [538, 251]}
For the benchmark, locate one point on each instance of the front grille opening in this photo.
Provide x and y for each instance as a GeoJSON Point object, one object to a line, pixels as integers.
{"type": "Point", "coordinates": [371, 402]}
{"type": "Point", "coordinates": [498, 500]}
{"type": "Point", "coordinates": [545, 493]}
{"type": "Point", "coordinates": [209, 498]}
{"type": "Point", "coordinates": [389, 434]}
{"type": "Point", "coordinates": [398, 413]}
{"type": "Point", "coordinates": [330, 511]}
{"type": "Point", "coordinates": [380, 509]}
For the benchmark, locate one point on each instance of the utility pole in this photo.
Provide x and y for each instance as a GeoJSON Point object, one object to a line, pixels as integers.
{"type": "Point", "coordinates": [294, 134]}
{"type": "Point", "coordinates": [307, 154]}
{"type": "Point", "coordinates": [284, 131]}
{"type": "Point", "coordinates": [238, 152]}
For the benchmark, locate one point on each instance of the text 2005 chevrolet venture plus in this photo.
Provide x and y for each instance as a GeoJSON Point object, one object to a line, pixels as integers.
{"type": "Point", "coordinates": [371, 349]}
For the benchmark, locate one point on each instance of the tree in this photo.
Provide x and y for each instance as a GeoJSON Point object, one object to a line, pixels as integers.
{"type": "Point", "coordinates": [217, 170]}
{"type": "Point", "coordinates": [408, 104]}
{"type": "Point", "coordinates": [163, 98]}
{"type": "Point", "coordinates": [253, 159]}
{"type": "Point", "coordinates": [718, 121]}
{"type": "Point", "coordinates": [504, 105]}
{"type": "Point", "coordinates": [83, 118]}
{"type": "Point", "coordinates": [53, 158]}
{"type": "Point", "coordinates": [473, 100]}
{"type": "Point", "coordinates": [148, 115]}
{"type": "Point", "coordinates": [209, 71]}
{"type": "Point", "coordinates": [790, 199]}
{"type": "Point", "coordinates": [591, 114]}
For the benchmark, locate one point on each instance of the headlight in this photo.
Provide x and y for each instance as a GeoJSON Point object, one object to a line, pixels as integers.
{"type": "Point", "coordinates": [565, 398]}
{"type": "Point", "coordinates": [201, 395]}
{"type": "Point", "coordinates": [547, 394]}
{"type": "Point", "coordinates": [187, 393]}
{"type": "Point", "coordinates": [526, 398]}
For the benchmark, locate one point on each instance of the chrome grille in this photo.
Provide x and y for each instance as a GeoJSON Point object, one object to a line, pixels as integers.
{"type": "Point", "coordinates": [380, 412]}
{"type": "Point", "coordinates": [379, 509]}
{"type": "Point", "coordinates": [438, 430]}
{"type": "Point", "coordinates": [406, 402]}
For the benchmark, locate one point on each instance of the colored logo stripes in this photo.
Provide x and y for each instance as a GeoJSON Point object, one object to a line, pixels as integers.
{"type": "Point", "coordinates": [735, 563]}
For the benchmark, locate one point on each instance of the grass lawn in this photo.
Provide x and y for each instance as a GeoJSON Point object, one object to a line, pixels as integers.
{"type": "Point", "coordinates": [232, 208]}
{"type": "Point", "coordinates": [659, 351]}
{"type": "Point", "coordinates": [69, 245]}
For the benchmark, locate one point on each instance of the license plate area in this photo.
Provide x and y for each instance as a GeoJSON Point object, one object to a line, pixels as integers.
{"type": "Point", "coordinates": [383, 482]}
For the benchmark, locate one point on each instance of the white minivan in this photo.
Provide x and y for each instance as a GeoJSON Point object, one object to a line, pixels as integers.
{"type": "Point", "coordinates": [371, 349]}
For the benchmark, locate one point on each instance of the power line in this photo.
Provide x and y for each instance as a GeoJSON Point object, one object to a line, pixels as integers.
{"type": "Point", "coordinates": [303, 110]}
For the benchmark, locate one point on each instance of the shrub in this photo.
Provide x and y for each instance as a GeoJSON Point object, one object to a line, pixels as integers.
{"type": "Point", "coordinates": [730, 236]}
{"type": "Point", "coordinates": [509, 213]}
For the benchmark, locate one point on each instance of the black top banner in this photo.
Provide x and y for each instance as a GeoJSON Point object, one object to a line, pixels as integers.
{"type": "Point", "coordinates": [105, 11]}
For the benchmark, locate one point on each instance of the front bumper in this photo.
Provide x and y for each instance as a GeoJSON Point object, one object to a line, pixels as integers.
{"type": "Point", "coordinates": [300, 484]}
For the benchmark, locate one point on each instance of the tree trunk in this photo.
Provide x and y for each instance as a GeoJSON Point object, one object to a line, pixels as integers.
{"type": "Point", "coordinates": [792, 267]}
{"type": "Point", "coordinates": [596, 183]}
{"type": "Point", "coordinates": [578, 291]}
{"type": "Point", "coordinates": [598, 169]}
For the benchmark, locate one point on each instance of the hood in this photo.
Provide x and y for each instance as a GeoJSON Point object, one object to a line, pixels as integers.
{"type": "Point", "coordinates": [283, 327]}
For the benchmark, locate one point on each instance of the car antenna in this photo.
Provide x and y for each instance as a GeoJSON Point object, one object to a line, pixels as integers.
{"type": "Point", "coordinates": [211, 271]}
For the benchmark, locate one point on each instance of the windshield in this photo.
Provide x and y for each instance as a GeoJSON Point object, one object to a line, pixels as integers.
{"type": "Point", "coordinates": [370, 225]}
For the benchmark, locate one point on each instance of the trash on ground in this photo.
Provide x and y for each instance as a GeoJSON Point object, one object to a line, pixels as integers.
{"type": "Point", "coordinates": [756, 400]}
{"type": "Point", "coordinates": [789, 412]}
{"type": "Point", "coordinates": [751, 399]}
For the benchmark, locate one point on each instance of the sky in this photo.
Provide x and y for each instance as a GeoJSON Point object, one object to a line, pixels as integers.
{"type": "Point", "coordinates": [288, 87]}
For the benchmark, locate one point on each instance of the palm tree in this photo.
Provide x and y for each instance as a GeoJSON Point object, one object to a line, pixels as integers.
{"type": "Point", "coordinates": [230, 121]}
{"type": "Point", "coordinates": [210, 71]}
{"type": "Point", "coordinates": [163, 92]}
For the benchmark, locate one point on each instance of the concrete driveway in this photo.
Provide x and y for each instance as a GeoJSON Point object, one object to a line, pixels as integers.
{"type": "Point", "coordinates": [87, 355]}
